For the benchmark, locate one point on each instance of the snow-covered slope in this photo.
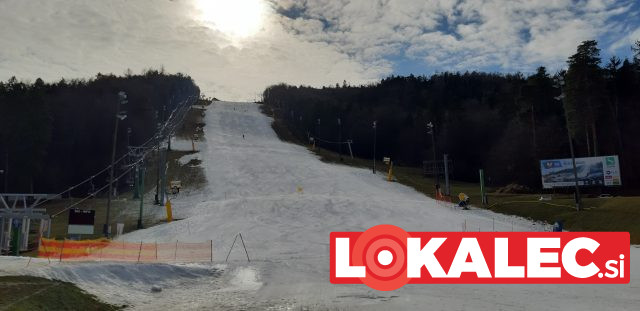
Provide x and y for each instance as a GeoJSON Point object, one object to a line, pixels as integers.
{"type": "Point", "coordinates": [252, 189]}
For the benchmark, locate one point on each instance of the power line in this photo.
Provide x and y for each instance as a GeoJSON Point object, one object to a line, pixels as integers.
{"type": "Point", "coordinates": [156, 135]}
{"type": "Point", "coordinates": [332, 142]}
{"type": "Point", "coordinates": [92, 194]}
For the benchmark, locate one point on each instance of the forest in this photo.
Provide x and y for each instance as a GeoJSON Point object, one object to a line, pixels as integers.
{"type": "Point", "coordinates": [502, 123]}
{"type": "Point", "coordinates": [53, 135]}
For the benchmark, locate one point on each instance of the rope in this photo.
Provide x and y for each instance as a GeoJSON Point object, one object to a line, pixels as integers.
{"type": "Point", "coordinates": [511, 202]}
{"type": "Point", "coordinates": [331, 142]}
{"type": "Point", "coordinates": [92, 194]}
{"type": "Point", "coordinates": [156, 135]}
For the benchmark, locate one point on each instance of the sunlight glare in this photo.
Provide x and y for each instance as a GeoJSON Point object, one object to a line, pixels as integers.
{"type": "Point", "coordinates": [236, 18]}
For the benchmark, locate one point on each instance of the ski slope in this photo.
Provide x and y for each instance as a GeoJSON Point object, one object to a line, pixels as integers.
{"type": "Point", "coordinates": [252, 189]}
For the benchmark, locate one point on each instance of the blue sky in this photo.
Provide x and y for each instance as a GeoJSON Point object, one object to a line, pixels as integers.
{"type": "Point", "coordinates": [423, 37]}
{"type": "Point", "coordinates": [235, 48]}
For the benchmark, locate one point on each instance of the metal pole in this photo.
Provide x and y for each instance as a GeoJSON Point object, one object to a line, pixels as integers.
{"type": "Point", "coordinates": [435, 163]}
{"type": "Point", "coordinates": [136, 182]}
{"type": "Point", "coordinates": [317, 133]}
{"type": "Point", "coordinates": [446, 175]}
{"type": "Point", "coordinates": [164, 178]}
{"type": "Point", "coordinates": [141, 190]}
{"type": "Point", "coordinates": [2, 232]}
{"type": "Point", "coordinates": [6, 171]}
{"type": "Point", "coordinates": [340, 138]}
{"type": "Point", "coordinates": [483, 195]}
{"type": "Point", "coordinates": [130, 174]}
{"type": "Point", "coordinates": [49, 227]}
{"type": "Point", "coordinates": [157, 202]}
{"type": "Point", "coordinates": [169, 133]}
{"type": "Point", "coordinates": [575, 173]}
{"type": "Point", "coordinates": [113, 159]}
{"type": "Point", "coordinates": [374, 145]}
{"type": "Point", "coordinates": [573, 156]}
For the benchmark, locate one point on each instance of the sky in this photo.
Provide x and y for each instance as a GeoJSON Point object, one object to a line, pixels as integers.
{"type": "Point", "coordinates": [235, 48]}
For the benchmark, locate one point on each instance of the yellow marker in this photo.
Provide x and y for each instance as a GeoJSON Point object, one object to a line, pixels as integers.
{"type": "Point", "coordinates": [390, 175]}
{"type": "Point", "coordinates": [169, 214]}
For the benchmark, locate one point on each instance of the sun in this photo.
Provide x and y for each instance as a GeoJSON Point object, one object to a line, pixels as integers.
{"type": "Point", "coordinates": [236, 18]}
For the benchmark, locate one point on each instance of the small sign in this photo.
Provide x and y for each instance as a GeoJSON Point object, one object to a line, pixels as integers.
{"type": "Point", "coordinates": [81, 221]}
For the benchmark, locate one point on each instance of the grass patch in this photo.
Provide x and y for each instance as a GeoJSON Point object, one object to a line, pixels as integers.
{"type": "Point", "coordinates": [33, 293]}
{"type": "Point", "coordinates": [598, 214]}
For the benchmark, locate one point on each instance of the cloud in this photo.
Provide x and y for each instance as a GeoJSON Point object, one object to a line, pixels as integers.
{"type": "Point", "coordinates": [460, 34]}
{"type": "Point", "coordinates": [77, 39]}
{"type": "Point", "coordinates": [310, 42]}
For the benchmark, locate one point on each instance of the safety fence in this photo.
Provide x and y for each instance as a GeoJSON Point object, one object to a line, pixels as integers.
{"type": "Point", "coordinates": [110, 250]}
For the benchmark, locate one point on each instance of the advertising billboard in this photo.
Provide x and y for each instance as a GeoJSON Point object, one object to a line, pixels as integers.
{"type": "Point", "coordinates": [591, 171]}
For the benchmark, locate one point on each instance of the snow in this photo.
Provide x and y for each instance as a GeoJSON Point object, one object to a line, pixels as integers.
{"type": "Point", "coordinates": [185, 159]}
{"type": "Point", "coordinates": [252, 189]}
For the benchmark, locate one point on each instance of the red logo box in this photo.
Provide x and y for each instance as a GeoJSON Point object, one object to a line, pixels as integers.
{"type": "Point", "coordinates": [385, 257]}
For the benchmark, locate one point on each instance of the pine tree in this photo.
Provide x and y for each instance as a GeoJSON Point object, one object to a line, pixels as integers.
{"type": "Point", "coordinates": [584, 93]}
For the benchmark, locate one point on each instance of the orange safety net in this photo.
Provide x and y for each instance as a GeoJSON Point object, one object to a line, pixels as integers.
{"type": "Point", "coordinates": [443, 198]}
{"type": "Point", "coordinates": [109, 250]}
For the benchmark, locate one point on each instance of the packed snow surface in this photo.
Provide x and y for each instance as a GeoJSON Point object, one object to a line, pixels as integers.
{"type": "Point", "coordinates": [285, 202]}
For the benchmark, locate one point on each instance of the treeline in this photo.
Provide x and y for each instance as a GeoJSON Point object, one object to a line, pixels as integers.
{"type": "Point", "coordinates": [504, 123]}
{"type": "Point", "coordinates": [53, 135]}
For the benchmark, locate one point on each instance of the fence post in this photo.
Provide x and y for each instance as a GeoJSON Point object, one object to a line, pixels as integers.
{"type": "Point", "coordinates": [175, 254]}
{"type": "Point", "coordinates": [62, 249]}
{"type": "Point", "coordinates": [211, 250]}
{"type": "Point", "coordinates": [156, 251]}
{"type": "Point", "coordinates": [140, 251]}
{"type": "Point", "coordinates": [45, 250]}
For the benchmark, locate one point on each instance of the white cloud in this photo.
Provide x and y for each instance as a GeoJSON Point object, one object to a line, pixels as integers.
{"type": "Point", "coordinates": [464, 34]}
{"type": "Point", "coordinates": [78, 38]}
{"type": "Point", "coordinates": [311, 42]}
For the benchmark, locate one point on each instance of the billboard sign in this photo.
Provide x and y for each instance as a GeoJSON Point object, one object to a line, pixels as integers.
{"type": "Point", "coordinates": [591, 171]}
{"type": "Point", "coordinates": [81, 221]}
